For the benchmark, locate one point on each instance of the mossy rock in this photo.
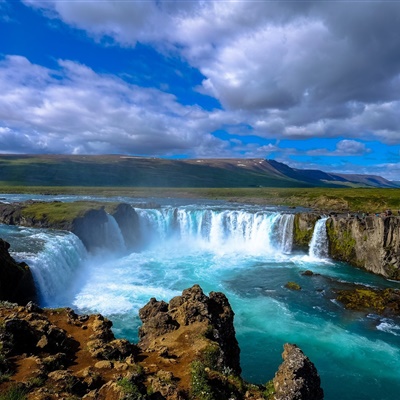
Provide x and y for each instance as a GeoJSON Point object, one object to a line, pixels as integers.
{"type": "Point", "coordinates": [386, 301]}
{"type": "Point", "coordinates": [303, 228]}
{"type": "Point", "coordinates": [341, 244]}
{"type": "Point", "coordinates": [57, 212]}
{"type": "Point", "coordinates": [293, 286]}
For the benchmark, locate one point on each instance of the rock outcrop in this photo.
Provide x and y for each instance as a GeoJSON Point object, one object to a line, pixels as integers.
{"type": "Point", "coordinates": [371, 242]}
{"type": "Point", "coordinates": [16, 281]}
{"type": "Point", "coordinates": [128, 222]}
{"type": "Point", "coordinates": [187, 350]}
{"type": "Point", "coordinates": [91, 229]}
{"type": "Point", "coordinates": [297, 377]}
{"type": "Point", "coordinates": [211, 316]}
{"type": "Point", "coordinates": [57, 354]}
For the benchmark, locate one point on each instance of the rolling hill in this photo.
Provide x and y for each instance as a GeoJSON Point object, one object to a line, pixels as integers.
{"type": "Point", "coordinates": [127, 171]}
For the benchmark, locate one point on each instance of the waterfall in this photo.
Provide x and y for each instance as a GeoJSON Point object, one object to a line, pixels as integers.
{"type": "Point", "coordinates": [56, 265]}
{"type": "Point", "coordinates": [215, 230]}
{"type": "Point", "coordinates": [284, 233]}
{"type": "Point", "coordinates": [113, 235]}
{"type": "Point", "coordinates": [319, 241]}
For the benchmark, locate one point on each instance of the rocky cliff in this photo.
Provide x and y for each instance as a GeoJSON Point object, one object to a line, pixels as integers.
{"type": "Point", "coordinates": [371, 242]}
{"type": "Point", "coordinates": [187, 350]}
{"type": "Point", "coordinates": [16, 282]}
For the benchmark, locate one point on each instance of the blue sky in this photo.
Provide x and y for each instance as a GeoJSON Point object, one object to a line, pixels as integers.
{"type": "Point", "coordinates": [314, 84]}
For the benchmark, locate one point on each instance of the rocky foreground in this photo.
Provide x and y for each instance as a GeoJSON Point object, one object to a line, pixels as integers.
{"type": "Point", "coordinates": [187, 350]}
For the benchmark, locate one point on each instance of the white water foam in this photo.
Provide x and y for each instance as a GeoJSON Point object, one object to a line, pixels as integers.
{"type": "Point", "coordinates": [389, 326]}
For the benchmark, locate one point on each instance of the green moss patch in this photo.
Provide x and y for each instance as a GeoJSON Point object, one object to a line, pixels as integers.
{"type": "Point", "coordinates": [341, 245]}
{"type": "Point", "coordinates": [386, 301]}
{"type": "Point", "coordinates": [293, 286]}
{"type": "Point", "coordinates": [57, 212]}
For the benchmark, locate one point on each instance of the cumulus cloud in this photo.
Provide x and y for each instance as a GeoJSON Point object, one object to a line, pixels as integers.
{"type": "Point", "coordinates": [75, 110]}
{"type": "Point", "coordinates": [343, 148]}
{"type": "Point", "coordinates": [298, 69]}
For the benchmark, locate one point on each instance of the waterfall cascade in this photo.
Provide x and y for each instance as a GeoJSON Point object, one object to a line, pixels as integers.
{"type": "Point", "coordinates": [237, 230]}
{"type": "Point", "coordinates": [55, 267]}
{"type": "Point", "coordinates": [113, 235]}
{"type": "Point", "coordinates": [319, 241]}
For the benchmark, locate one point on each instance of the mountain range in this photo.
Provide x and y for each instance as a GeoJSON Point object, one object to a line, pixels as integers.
{"type": "Point", "coordinates": [129, 171]}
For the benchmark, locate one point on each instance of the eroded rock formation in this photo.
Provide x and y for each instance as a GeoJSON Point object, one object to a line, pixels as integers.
{"type": "Point", "coordinates": [195, 312]}
{"type": "Point", "coordinates": [369, 242]}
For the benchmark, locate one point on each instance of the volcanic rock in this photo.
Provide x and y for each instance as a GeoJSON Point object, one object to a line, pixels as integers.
{"type": "Point", "coordinates": [297, 378]}
{"type": "Point", "coordinates": [214, 314]}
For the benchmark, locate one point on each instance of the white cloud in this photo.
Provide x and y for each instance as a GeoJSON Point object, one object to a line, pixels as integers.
{"type": "Point", "coordinates": [291, 69]}
{"type": "Point", "coordinates": [351, 147]}
{"type": "Point", "coordinates": [343, 148]}
{"type": "Point", "coordinates": [75, 110]}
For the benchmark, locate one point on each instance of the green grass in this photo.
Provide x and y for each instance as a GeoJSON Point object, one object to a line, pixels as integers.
{"type": "Point", "coordinates": [200, 385]}
{"type": "Point", "coordinates": [58, 212]}
{"type": "Point", "coordinates": [363, 200]}
{"type": "Point", "coordinates": [14, 393]}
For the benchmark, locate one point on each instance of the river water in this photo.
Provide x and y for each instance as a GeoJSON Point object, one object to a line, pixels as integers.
{"type": "Point", "coordinates": [245, 252]}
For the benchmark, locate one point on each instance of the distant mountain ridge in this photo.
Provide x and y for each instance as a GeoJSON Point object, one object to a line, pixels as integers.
{"type": "Point", "coordinates": [130, 171]}
{"type": "Point", "coordinates": [311, 175]}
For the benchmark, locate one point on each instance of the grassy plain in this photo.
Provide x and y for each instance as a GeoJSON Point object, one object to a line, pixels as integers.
{"type": "Point", "coordinates": [343, 199]}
